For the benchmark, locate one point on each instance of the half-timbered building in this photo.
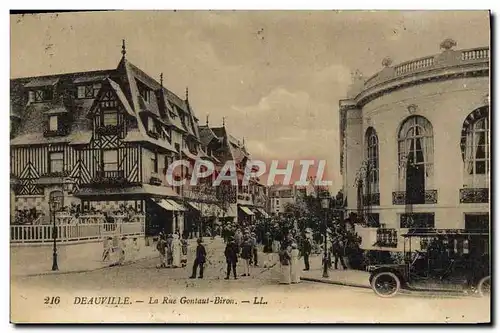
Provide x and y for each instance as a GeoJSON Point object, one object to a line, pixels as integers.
{"type": "Point", "coordinates": [110, 134]}
{"type": "Point", "coordinates": [243, 202]}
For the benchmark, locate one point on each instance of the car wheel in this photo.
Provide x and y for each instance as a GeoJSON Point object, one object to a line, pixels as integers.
{"type": "Point", "coordinates": [386, 284]}
{"type": "Point", "coordinates": [484, 286]}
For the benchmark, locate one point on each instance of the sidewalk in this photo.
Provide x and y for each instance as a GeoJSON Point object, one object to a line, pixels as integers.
{"type": "Point", "coordinates": [348, 277]}
{"type": "Point", "coordinates": [37, 260]}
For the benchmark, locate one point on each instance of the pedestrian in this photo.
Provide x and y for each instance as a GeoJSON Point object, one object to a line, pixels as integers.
{"type": "Point", "coordinates": [294, 264]}
{"type": "Point", "coordinates": [338, 250]}
{"type": "Point", "coordinates": [238, 237]}
{"type": "Point", "coordinates": [306, 249]}
{"type": "Point", "coordinates": [168, 251]}
{"type": "Point", "coordinates": [184, 246]}
{"type": "Point", "coordinates": [201, 256]}
{"type": "Point", "coordinates": [160, 246]}
{"type": "Point", "coordinates": [246, 254]}
{"type": "Point", "coordinates": [176, 251]}
{"type": "Point", "coordinates": [122, 251]}
{"type": "Point", "coordinates": [285, 257]}
{"type": "Point", "coordinates": [107, 248]}
{"type": "Point", "coordinates": [231, 254]}
{"type": "Point", "coordinates": [134, 249]}
{"type": "Point", "coordinates": [268, 249]}
{"type": "Point", "coordinates": [255, 250]}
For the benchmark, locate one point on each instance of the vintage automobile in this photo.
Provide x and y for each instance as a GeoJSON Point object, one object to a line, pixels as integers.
{"type": "Point", "coordinates": [448, 260]}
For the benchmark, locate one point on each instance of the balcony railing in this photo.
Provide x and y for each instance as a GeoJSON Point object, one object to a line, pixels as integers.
{"type": "Point", "coordinates": [108, 130]}
{"type": "Point", "coordinates": [372, 199]}
{"type": "Point", "coordinates": [387, 238]}
{"type": "Point", "coordinates": [450, 59]}
{"type": "Point", "coordinates": [399, 198]}
{"type": "Point", "coordinates": [111, 178]}
{"type": "Point", "coordinates": [474, 195]}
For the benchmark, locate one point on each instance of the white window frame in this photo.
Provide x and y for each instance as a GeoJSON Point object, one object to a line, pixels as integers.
{"type": "Point", "coordinates": [53, 123]}
{"type": "Point", "coordinates": [59, 161]}
{"type": "Point", "coordinates": [372, 158]}
{"type": "Point", "coordinates": [81, 92]}
{"type": "Point", "coordinates": [110, 113]}
{"type": "Point", "coordinates": [110, 159]}
{"type": "Point", "coordinates": [472, 178]}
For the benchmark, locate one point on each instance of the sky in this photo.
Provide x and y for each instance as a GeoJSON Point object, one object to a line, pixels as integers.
{"type": "Point", "coordinates": [275, 76]}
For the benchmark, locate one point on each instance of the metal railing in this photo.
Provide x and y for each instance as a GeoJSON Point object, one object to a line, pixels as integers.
{"type": "Point", "coordinates": [73, 233]}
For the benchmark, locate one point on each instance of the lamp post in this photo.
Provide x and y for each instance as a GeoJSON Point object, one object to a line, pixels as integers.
{"type": "Point", "coordinates": [325, 202]}
{"type": "Point", "coordinates": [54, 205]}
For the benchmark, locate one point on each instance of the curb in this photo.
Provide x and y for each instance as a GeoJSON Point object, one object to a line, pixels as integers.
{"type": "Point", "coordinates": [346, 284]}
{"type": "Point", "coordinates": [82, 270]}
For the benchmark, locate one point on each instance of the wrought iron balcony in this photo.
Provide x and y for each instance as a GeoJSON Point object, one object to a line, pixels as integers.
{"type": "Point", "coordinates": [108, 130]}
{"type": "Point", "coordinates": [110, 178]}
{"type": "Point", "coordinates": [387, 238]}
{"type": "Point", "coordinates": [474, 195]}
{"type": "Point", "coordinates": [372, 199]}
{"type": "Point", "coordinates": [429, 197]}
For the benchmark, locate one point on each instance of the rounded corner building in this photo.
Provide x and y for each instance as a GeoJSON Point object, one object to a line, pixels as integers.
{"type": "Point", "coordinates": [415, 146]}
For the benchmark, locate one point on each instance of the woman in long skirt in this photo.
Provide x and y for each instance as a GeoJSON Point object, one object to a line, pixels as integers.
{"type": "Point", "coordinates": [285, 257]}
{"type": "Point", "coordinates": [184, 247]}
{"type": "Point", "coordinates": [176, 251]}
{"type": "Point", "coordinates": [294, 267]}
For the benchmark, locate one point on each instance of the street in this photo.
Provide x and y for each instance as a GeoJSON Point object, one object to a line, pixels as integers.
{"type": "Point", "coordinates": [143, 283]}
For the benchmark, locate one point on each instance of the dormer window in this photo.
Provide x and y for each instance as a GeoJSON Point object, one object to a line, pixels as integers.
{"type": "Point", "coordinates": [151, 125]}
{"type": "Point", "coordinates": [145, 92]}
{"type": "Point", "coordinates": [53, 123]}
{"type": "Point", "coordinates": [89, 90]}
{"type": "Point", "coordinates": [41, 94]}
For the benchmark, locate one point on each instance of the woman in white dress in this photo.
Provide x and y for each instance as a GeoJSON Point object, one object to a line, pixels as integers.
{"type": "Point", "coordinates": [294, 267]}
{"type": "Point", "coordinates": [285, 257]}
{"type": "Point", "coordinates": [176, 251]}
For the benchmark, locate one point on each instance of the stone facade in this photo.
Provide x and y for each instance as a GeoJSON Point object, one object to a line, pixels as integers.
{"type": "Point", "coordinates": [444, 89]}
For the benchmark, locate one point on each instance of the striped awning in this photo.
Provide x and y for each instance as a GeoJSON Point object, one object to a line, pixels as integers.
{"type": "Point", "coordinates": [170, 205]}
{"type": "Point", "coordinates": [263, 212]}
{"type": "Point", "coordinates": [246, 210]}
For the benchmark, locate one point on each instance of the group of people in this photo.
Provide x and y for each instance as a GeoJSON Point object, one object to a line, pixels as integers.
{"type": "Point", "coordinates": [118, 251]}
{"type": "Point", "coordinates": [241, 245]}
{"type": "Point", "coordinates": [173, 250]}
{"type": "Point", "coordinates": [289, 257]}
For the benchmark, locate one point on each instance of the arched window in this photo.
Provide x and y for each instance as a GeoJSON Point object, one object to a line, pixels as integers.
{"type": "Point", "coordinates": [416, 154]}
{"type": "Point", "coordinates": [475, 144]}
{"type": "Point", "coordinates": [372, 159]}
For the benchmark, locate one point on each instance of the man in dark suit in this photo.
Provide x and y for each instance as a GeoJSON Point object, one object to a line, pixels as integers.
{"type": "Point", "coordinates": [201, 255]}
{"type": "Point", "coordinates": [231, 254]}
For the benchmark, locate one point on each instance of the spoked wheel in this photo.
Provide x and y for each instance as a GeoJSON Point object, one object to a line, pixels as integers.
{"type": "Point", "coordinates": [386, 284]}
{"type": "Point", "coordinates": [484, 286]}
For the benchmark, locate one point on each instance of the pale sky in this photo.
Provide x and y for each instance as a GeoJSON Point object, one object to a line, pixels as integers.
{"type": "Point", "coordinates": [277, 77]}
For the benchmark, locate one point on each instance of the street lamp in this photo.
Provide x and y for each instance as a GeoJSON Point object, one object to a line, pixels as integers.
{"type": "Point", "coordinates": [325, 202]}
{"type": "Point", "coordinates": [54, 205]}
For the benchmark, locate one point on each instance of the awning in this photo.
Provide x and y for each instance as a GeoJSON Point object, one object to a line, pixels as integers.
{"type": "Point", "coordinates": [193, 205]}
{"type": "Point", "coordinates": [170, 205]}
{"type": "Point", "coordinates": [178, 206]}
{"type": "Point", "coordinates": [246, 210]}
{"type": "Point", "coordinates": [263, 212]}
{"type": "Point", "coordinates": [165, 204]}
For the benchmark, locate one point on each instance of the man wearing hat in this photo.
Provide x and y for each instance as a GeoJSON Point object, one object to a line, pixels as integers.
{"type": "Point", "coordinates": [307, 248]}
{"type": "Point", "coordinates": [231, 253]}
{"type": "Point", "coordinates": [201, 255]}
